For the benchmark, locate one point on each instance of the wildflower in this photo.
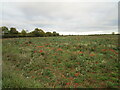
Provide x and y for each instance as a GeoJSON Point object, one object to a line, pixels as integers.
{"type": "Point", "coordinates": [76, 84]}
{"type": "Point", "coordinates": [67, 83]}
{"type": "Point", "coordinates": [59, 49]}
{"type": "Point", "coordinates": [71, 78]}
{"type": "Point", "coordinates": [112, 50]}
{"type": "Point", "coordinates": [96, 62]}
{"type": "Point", "coordinates": [80, 52]}
{"type": "Point", "coordinates": [92, 54]}
{"type": "Point", "coordinates": [104, 49]}
{"type": "Point", "coordinates": [33, 76]}
{"type": "Point", "coordinates": [116, 53]}
{"type": "Point", "coordinates": [35, 51]}
{"type": "Point", "coordinates": [78, 63]}
{"type": "Point", "coordinates": [76, 74]}
{"type": "Point", "coordinates": [111, 57]}
{"type": "Point", "coordinates": [41, 51]}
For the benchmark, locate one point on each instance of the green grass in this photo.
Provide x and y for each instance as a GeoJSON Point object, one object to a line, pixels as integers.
{"type": "Point", "coordinates": [61, 62]}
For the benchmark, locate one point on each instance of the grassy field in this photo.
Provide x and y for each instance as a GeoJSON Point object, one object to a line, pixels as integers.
{"type": "Point", "coordinates": [61, 62]}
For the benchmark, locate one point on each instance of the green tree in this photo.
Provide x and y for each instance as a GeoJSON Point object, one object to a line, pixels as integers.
{"type": "Point", "coordinates": [38, 32]}
{"type": "Point", "coordinates": [49, 34]}
{"type": "Point", "coordinates": [55, 34]}
{"type": "Point", "coordinates": [24, 33]}
{"type": "Point", "coordinates": [5, 30]}
{"type": "Point", "coordinates": [113, 33]}
{"type": "Point", "coordinates": [13, 31]}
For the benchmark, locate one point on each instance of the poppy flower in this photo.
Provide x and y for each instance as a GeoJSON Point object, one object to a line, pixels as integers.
{"type": "Point", "coordinates": [104, 49]}
{"type": "Point", "coordinates": [96, 62]}
{"type": "Point", "coordinates": [59, 49]}
{"type": "Point", "coordinates": [76, 84]}
{"type": "Point", "coordinates": [116, 53]}
{"type": "Point", "coordinates": [41, 51]}
{"type": "Point", "coordinates": [47, 44]}
{"type": "Point", "coordinates": [78, 63]}
{"type": "Point", "coordinates": [71, 78]}
{"type": "Point", "coordinates": [111, 57]}
{"type": "Point", "coordinates": [92, 54]}
{"type": "Point", "coordinates": [67, 83]}
{"type": "Point", "coordinates": [80, 52]}
{"type": "Point", "coordinates": [33, 76]}
{"type": "Point", "coordinates": [76, 74]}
{"type": "Point", "coordinates": [35, 51]}
{"type": "Point", "coordinates": [112, 50]}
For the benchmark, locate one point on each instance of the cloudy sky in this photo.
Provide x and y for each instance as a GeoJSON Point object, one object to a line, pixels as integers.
{"type": "Point", "coordinates": [62, 17]}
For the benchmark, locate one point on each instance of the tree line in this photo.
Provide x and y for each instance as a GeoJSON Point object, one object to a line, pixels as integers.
{"type": "Point", "coordinates": [12, 32]}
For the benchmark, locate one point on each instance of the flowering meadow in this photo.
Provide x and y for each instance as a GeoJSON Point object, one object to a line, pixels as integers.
{"type": "Point", "coordinates": [61, 62]}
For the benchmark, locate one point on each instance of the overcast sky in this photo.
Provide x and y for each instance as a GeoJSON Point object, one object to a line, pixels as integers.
{"type": "Point", "coordinates": [62, 17]}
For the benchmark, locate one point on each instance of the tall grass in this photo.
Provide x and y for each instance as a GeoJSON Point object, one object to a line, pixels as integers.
{"type": "Point", "coordinates": [61, 62]}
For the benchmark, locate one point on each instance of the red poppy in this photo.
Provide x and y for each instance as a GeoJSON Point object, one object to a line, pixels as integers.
{"type": "Point", "coordinates": [96, 62]}
{"type": "Point", "coordinates": [67, 83]}
{"type": "Point", "coordinates": [76, 84]}
{"type": "Point", "coordinates": [78, 63]}
{"type": "Point", "coordinates": [80, 52]}
{"type": "Point", "coordinates": [35, 51]}
{"type": "Point", "coordinates": [41, 51]}
{"type": "Point", "coordinates": [104, 49]}
{"type": "Point", "coordinates": [111, 57]}
{"type": "Point", "coordinates": [71, 78]}
{"type": "Point", "coordinates": [92, 54]}
{"type": "Point", "coordinates": [47, 44]}
{"type": "Point", "coordinates": [116, 53]}
{"type": "Point", "coordinates": [76, 74]}
{"type": "Point", "coordinates": [59, 49]}
{"type": "Point", "coordinates": [112, 50]}
{"type": "Point", "coordinates": [33, 76]}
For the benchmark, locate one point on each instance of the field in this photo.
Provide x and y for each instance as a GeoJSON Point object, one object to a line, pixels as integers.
{"type": "Point", "coordinates": [60, 62]}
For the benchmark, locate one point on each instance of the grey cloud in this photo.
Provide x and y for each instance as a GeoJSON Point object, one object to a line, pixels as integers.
{"type": "Point", "coordinates": [62, 17]}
